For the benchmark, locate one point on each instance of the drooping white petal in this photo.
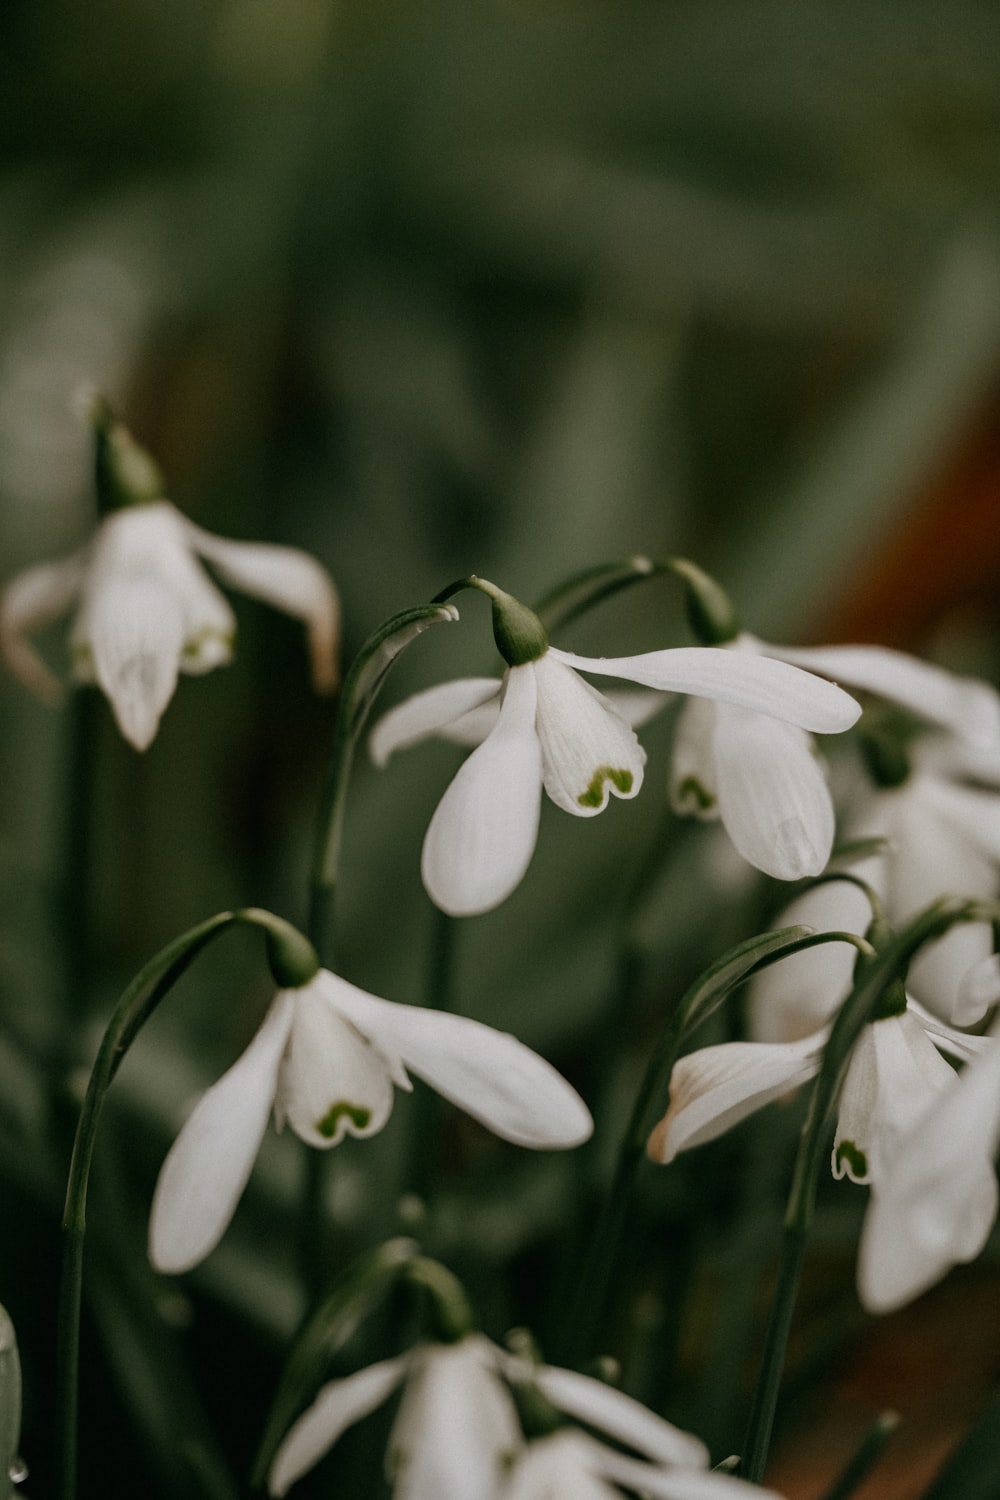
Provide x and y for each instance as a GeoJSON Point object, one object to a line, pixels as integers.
{"type": "Point", "coordinates": [290, 580]}
{"type": "Point", "coordinates": [973, 813]}
{"type": "Point", "coordinates": [436, 711]}
{"type": "Point", "coordinates": [676, 1484]}
{"type": "Point", "coordinates": [962, 1045]}
{"type": "Point", "coordinates": [491, 1075]}
{"type": "Point", "coordinates": [134, 636]}
{"type": "Point", "coordinates": [713, 1089]}
{"type": "Point", "coordinates": [966, 706]}
{"type": "Point", "coordinates": [937, 1201]}
{"type": "Point", "coordinates": [561, 1465]}
{"type": "Point", "coordinates": [620, 1417]}
{"type": "Point", "coordinates": [332, 1082]}
{"type": "Point", "coordinates": [793, 998]}
{"type": "Point", "coordinates": [693, 790]}
{"type": "Point", "coordinates": [338, 1406]}
{"type": "Point", "coordinates": [979, 987]}
{"type": "Point", "coordinates": [588, 751]}
{"type": "Point", "coordinates": [932, 856]}
{"type": "Point", "coordinates": [773, 797]}
{"type": "Point", "coordinates": [758, 682]}
{"type": "Point", "coordinates": [481, 838]}
{"type": "Point", "coordinates": [207, 1167]}
{"type": "Point", "coordinates": [457, 1428]}
{"type": "Point", "coordinates": [894, 1074]}
{"type": "Point", "coordinates": [30, 601]}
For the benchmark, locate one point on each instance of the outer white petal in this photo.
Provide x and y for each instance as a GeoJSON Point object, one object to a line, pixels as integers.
{"type": "Point", "coordinates": [588, 751]}
{"type": "Point", "coordinates": [564, 1466]}
{"type": "Point", "coordinates": [789, 1000]}
{"type": "Point", "coordinates": [758, 682]}
{"type": "Point", "coordinates": [716, 1087]}
{"type": "Point", "coordinates": [30, 601]}
{"type": "Point", "coordinates": [893, 1077]}
{"type": "Point", "coordinates": [332, 1082]}
{"type": "Point", "coordinates": [288, 579]}
{"type": "Point", "coordinates": [620, 1417]}
{"type": "Point", "coordinates": [457, 1427]}
{"type": "Point", "coordinates": [973, 813]}
{"type": "Point", "coordinates": [773, 797]}
{"type": "Point", "coordinates": [958, 1044]}
{"type": "Point", "coordinates": [481, 838]}
{"type": "Point", "coordinates": [135, 635]}
{"type": "Point", "coordinates": [966, 706]}
{"type": "Point", "coordinates": [208, 1165]}
{"type": "Point", "coordinates": [436, 711]}
{"type": "Point", "coordinates": [938, 1200]}
{"type": "Point", "coordinates": [489, 1074]}
{"type": "Point", "coordinates": [338, 1406]}
{"type": "Point", "coordinates": [676, 1484]}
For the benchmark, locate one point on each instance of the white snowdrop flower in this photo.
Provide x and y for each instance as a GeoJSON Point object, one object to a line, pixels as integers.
{"type": "Point", "coordinates": [327, 1058]}
{"type": "Point", "coordinates": [543, 726]}
{"type": "Point", "coordinates": [895, 1071]}
{"type": "Point", "coordinates": [935, 1204]}
{"type": "Point", "coordinates": [146, 609]}
{"type": "Point", "coordinates": [457, 1436]}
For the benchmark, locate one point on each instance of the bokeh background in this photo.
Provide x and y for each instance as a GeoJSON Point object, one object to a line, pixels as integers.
{"type": "Point", "coordinates": [498, 286]}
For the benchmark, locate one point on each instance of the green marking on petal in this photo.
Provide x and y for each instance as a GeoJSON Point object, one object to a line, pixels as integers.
{"type": "Point", "coordinates": [356, 1113]}
{"type": "Point", "coordinates": [695, 794]}
{"type": "Point", "coordinates": [852, 1161]}
{"type": "Point", "coordinates": [594, 795]}
{"type": "Point", "coordinates": [195, 645]}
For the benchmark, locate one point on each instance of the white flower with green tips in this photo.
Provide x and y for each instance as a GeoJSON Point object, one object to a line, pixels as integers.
{"type": "Point", "coordinates": [146, 609]}
{"type": "Point", "coordinates": [895, 1071]}
{"type": "Point", "coordinates": [543, 726]}
{"type": "Point", "coordinates": [327, 1059]}
{"type": "Point", "coordinates": [457, 1435]}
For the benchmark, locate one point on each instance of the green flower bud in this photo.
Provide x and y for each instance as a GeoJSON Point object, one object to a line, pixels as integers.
{"type": "Point", "coordinates": [125, 474]}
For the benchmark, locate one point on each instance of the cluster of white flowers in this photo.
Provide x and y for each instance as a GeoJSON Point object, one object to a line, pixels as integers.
{"type": "Point", "coordinates": [328, 1056]}
{"type": "Point", "coordinates": [458, 1436]}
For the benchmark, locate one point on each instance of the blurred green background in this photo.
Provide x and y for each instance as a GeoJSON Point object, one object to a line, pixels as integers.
{"type": "Point", "coordinates": [431, 289]}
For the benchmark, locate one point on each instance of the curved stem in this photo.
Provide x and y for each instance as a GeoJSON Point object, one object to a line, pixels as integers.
{"type": "Point", "coordinates": [136, 1005]}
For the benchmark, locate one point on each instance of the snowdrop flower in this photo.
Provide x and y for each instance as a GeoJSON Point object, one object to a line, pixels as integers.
{"type": "Point", "coordinates": [145, 607]}
{"type": "Point", "coordinates": [456, 1430]}
{"type": "Point", "coordinates": [936, 1203]}
{"type": "Point", "coordinates": [457, 1433]}
{"type": "Point", "coordinates": [327, 1058]}
{"type": "Point", "coordinates": [542, 725]}
{"type": "Point", "coordinates": [895, 1072]}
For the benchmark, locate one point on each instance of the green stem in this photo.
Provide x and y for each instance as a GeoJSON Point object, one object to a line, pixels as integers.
{"type": "Point", "coordinates": [793, 1249]}
{"type": "Point", "coordinates": [137, 1004]}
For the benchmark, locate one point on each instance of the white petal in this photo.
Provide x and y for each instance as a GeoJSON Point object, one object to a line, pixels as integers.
{"type": "Point", "coordinates": [979, 987]}
{"type": "Point", "coordinates": [893, 1076]}
{"type": "Point", "coordinates": [620, 1417]}
{"type": "Point", "coordinates": [678, 1484]}
{"type": "Point", "coordinates": [481, 838]}
{"type": "Point", "coordinates": [773, 797]}
{"type": "Point", "coordinates": [457, 1427]}
{"type": "Point", "coordinates": [959, 1044]}
{"type": "Point", "coordinates": [338, 1406]}
{"type": "Point", "coordinates": [938, 1200]}
{"type": "Point", "coordinates": [288, 579]}
{"type": "Point", "coordinates": [973, 813]}
{"type": "Point", "coordinates": [135, 635]}
{"type": "Point", "coordinates": [966, 706]}
{"type": "Point", "coordinates": [693, 790]}
{"type": "Point", "coordinates": [588, 750]}
{"type": "Point", "coordinates": [759, 682]}
{"type": "Point", "coordinates": [436, 711]}
{"type": "Point", "coordinates": [208, 1165]}
{"type": "Point", "coordinates": [789, 1000]}
{"type": "Point", "coordinates": [716, 1087]}
{"type": "Point", "coordinates": [30, 601]}
{"type": "Point", "coordinates": [333, 1082]}
{"type": "Point", "coordinates": [560, 1467]}
{"type": "Point", "coordinates": [489, 1074]}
